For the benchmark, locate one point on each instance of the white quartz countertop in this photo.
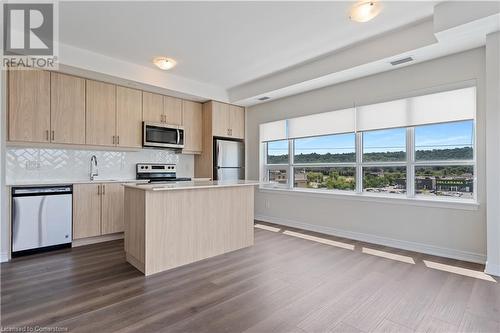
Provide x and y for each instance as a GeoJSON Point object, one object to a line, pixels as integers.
{"type": "Point", "coordinates": [192, 185]}
{"type": "Point", "coordinates": [68, 182]}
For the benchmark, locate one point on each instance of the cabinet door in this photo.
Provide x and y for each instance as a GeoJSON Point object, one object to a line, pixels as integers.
{"type": "Point", "coordinates": [67, 109]}
{"type": "Point", "coordinates": [152, 107]}
{"type": "Point", "coordinates": [86, 210]}
{"type": "Point", "coordinates": [237, 122]}
{"type": "Point", "coordinates": [220, 119]}
{"type": "Point", "coordinates": [172, 109]}
{"type": "Point", "coordinates": [192, 127]}
{"type": "Point", "coordinates": [113, 197]}
{"type": "Point", "coordinates": [128, 117]}
{"type": "Point", "coordinates": [29, 105]}
{"type": "Point", "coordinates": [100, 113]}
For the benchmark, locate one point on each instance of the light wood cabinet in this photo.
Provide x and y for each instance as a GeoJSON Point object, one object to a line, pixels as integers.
{"type": "Point", "coordinates": [112, 219]}
{"type": "Point", "coordinates": [67, 109]}
{"type": "Point", "coordinates": [192, 114]}
{"type": "Point", "coordinates": [152, 107]}
{"type": "Point", "coordinates": [128, 117]}
{"type": "Point", "coordinates": [228, 120]}
{"type": "Point", "coordinates": [237, 122]}
{"type": "Point", "coordinates": [86, 210]}
{"type": "Point", "coordinates": [100, 113]}
{"type": "Point", "coordinates": [29, 105]}
{"type": "Point", "coordinates": [172, 110]}
{"type": "Point", "coordinates": [220, 119]}
{"type": "Point", "coordinates": [97, 209]}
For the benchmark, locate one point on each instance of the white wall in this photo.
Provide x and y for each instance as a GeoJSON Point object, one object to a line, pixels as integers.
{"type": "Point", "coordinates": [493, 151]}
{"type": "Point", "coordinates": [447, 231]}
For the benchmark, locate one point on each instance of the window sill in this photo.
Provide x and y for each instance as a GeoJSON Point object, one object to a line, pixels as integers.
{"type": "Point", "coordinates": [370, 197]}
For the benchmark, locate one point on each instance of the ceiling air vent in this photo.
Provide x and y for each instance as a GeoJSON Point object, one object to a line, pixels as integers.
{"type": "Point", "coordinates": [264, 98]}
{"type": "Point", "coordinates": [401, 61]}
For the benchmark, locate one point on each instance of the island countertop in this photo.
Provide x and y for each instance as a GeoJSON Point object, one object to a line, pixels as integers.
{"type": "Point", "coordinates": [186, 185]}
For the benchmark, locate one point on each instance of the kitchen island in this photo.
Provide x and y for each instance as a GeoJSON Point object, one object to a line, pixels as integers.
{"type": "Point", "coordinates": [170, 225]}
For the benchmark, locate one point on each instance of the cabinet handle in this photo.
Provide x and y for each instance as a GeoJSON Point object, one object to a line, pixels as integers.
{"type": "Point", "coordinates": [114, 140]}
{"type": "Point", "coordinates": [98, 189]}
{"type": "Point", "coordinates": [53, 135]}
{"type": "Point", "coordinates": [118, 140]}
{"type": "Point", "coordinates": [103, 189]}
{"type": "Point", "coordinates": [47, 135]}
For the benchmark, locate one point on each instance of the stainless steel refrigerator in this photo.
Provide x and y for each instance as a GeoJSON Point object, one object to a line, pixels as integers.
{"type": "Point", "coordinates": [229, 160]}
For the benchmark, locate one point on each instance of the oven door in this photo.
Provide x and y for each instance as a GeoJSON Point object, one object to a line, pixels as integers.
{"type": "Point", "coordinates": [160, 135]}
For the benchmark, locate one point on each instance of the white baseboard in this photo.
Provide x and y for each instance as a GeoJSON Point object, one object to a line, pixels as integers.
{"type": "Point", "coordinates": [396, 243]}
{"type": "Point", "coordinates": [492, 269]}
{"type": "Point", "coordinates": [4, 257]}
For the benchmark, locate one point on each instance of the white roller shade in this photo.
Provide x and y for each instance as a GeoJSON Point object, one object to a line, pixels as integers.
{"type": "Point", "coordinates": [272, 131]}
{"type": "Point", "coordinates": [454, 105]}
{"type": "Point", "coordinates": [446, 106]}
{"type": "Point", "coordinates": [382, 115]}
{"type": "Point", "coordinates": [340, 121]}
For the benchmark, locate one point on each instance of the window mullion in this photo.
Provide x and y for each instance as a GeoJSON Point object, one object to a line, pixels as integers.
{"type": "Point", "coordinates": [359, 161]}
{"type": "Point", "coordinates": [410, 156]}
{"type": "Point", "coordinates": [291, 174]}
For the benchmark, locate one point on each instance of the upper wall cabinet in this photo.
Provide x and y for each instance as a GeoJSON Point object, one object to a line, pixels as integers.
{"type": "Point", "coordinates": [220, 119]}
{"type": "Point", "coordinates": [128, 117]}
{"type": "Point", "coordinates": [29, 105]}
{"type": "Point", "coordinates": [172, 110]}
{"type": "Point", "coordinates": [192, 115]}
{"type": "Point", "coordinates": [67, 109]}
{"type": "Point", "coordinates": [101, 113]}
{"type": "Point", "coordinates": [228, 120]}
{"type": "Point", "coordinates": [152, 107]}
{"type": "Point", "coordinates": [237, 121]}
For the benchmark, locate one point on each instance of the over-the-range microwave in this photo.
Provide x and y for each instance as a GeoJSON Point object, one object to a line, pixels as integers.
{"type": "Point", "coordinates": [162, 135]}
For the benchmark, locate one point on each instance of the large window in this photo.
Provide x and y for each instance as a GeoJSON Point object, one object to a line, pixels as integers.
{"type": "Point", "coordinates": [428, 152]}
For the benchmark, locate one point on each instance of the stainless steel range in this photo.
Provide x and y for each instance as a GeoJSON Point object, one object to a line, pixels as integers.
{"type": "Point", "coordinates": [156, 172]}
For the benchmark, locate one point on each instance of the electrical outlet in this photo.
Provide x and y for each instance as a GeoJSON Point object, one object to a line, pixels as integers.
{"type": "Point", "coordinates": [32, 165]}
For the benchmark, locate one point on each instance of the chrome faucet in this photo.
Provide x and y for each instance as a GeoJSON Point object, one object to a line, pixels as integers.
{"type": "Point", "coordinates": [93, 167]}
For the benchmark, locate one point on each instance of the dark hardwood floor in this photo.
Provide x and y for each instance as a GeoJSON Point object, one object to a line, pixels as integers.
{"type": "Point", "coordinates": [282, 284]}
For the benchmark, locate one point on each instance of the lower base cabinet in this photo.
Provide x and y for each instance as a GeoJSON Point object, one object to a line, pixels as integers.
{"type": "Point", "coordinates": [97, 209]}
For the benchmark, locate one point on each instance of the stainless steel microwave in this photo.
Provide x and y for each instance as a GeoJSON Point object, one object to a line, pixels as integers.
{"type": "Point", "coordinates": [162, 135]}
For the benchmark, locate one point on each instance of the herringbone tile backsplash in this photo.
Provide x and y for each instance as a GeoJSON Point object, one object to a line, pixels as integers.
{"type": "Point", "coordinates": [40, 164]}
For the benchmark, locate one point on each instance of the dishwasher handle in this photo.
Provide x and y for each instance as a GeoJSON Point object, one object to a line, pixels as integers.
{"type": "Point", "coordinates": [37, 191]}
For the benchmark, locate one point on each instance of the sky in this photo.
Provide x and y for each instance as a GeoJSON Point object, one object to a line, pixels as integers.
{"type": "Point", "coordinates": [438, 136]}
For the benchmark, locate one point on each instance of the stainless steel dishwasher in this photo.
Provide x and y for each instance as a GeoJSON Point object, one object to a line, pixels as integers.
{"type": "Point", "coordinates": [41, 218]}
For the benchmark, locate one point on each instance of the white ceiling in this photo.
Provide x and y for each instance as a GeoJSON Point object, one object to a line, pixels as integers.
{"type": "Point", "coordinates": [224, 44]}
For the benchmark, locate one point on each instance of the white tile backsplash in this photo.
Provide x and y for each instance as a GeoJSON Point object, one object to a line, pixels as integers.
{"type": "Point", "coordinates": [41, 164]}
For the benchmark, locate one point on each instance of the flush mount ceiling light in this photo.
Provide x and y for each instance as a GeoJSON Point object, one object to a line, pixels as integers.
{"type": "Point", "coordinates": [364, 11]}
{"type": "Point", "coordinates": [164, 63]}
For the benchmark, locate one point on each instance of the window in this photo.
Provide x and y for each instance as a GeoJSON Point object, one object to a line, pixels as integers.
{"type": "Point", "coordinates": [444, 155]}
{"type": "Point", "coordinates": [326, 149]}
{"type": "Point", "coordinates": [385, 145]}
{"type": "Point", "coordinates": [328, 178]}
{"type": "Point", "coordinates": [385, 179]}
{"type": "Point", "coordinates": [441, 142]}
{"type": "Point", "coordinates": [456, 181]}
{"type": "Point", "coordinates": [428, 151]}
{"type": "Point", "coordinates": [277, 152]}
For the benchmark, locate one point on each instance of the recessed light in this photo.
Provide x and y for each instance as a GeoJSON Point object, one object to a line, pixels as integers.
{"type": "Point", "coordinates": [364, 11]}
{"type": "Point", "coordinates": [164, 63]}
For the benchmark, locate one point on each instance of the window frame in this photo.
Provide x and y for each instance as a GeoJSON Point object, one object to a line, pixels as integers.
{"type": "Point", "coordinates": [410, 163]}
